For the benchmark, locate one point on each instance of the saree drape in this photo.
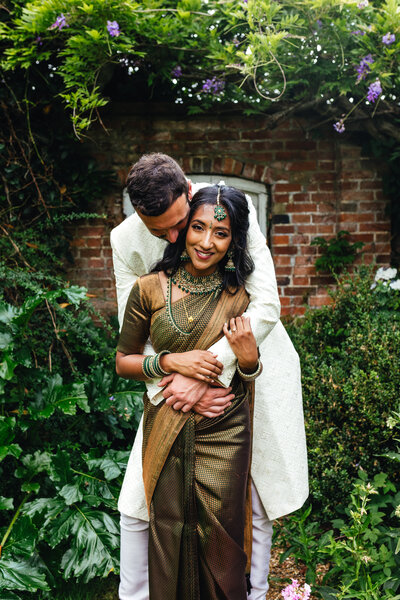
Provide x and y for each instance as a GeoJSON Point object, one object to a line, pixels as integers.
{"type": "Point", "coordinates": [195, 470]}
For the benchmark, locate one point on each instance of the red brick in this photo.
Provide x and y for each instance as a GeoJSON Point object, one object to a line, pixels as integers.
{"type": "Point", "coordinates": [281, 260]}
{"type": "Point", "coordinates": [287, 187]}
{"type": "Point", "coordinates": [301, 281]}
{"type": "Point", "coordinates": [326, 228]}
{"type": "Point", "coordinates": [374, 227]}
{"type": "Point", "coordinates": [286, 250]}
{"type": "Point", "coordinates": [306, 165]}
{"type": "Point", "coordinates": [318, 301]}
{"type": "Point", "coordinates": [308, 228]}
{"type": "Point", "coordinates": [301, 218]}
{"type": "Point", "coordinates": [370, 185]}
{"type": "Point", "coordinates": [304, 270]}
{"type": "Point", "coordinates": [88, 252]}
{"type": "Point", "coordinates": [306, 207]}
{"type": "Point", "coordinates": [283, 228]}
{"type": "Point", "coordinates": [96, 263]}
{"type": "Point", "coordinates": [354, 217]}
{"type": "Point", "coordinates": [280, 240]}
{"type": "Point", "coordinates": [285, 301]}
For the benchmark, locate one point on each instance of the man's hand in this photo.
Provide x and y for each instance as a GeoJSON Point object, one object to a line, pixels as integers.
{"type": "Point", "coordinates": [184, 393]}
{"type": "Point", "coordinates": [213, 402]}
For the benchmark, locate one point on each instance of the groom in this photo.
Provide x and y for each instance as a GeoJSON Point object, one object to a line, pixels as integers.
{"type": "Point", "coordinates": [160, 195]}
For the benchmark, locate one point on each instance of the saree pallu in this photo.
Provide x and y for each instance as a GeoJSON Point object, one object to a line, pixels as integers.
{"type": "Point", "coordinates": [195, 470]}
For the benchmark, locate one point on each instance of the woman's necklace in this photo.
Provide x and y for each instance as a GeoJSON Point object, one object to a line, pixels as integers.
{"type": "Point", "coordinates": [209, 285]}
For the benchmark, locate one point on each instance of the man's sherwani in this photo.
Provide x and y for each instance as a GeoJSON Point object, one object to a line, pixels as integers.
{"type": "Point", "coordinates": [279, 458]}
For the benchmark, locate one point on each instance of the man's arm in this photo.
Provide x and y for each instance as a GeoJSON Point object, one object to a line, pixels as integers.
{"type": "Point", "coordinates": [264, 306]}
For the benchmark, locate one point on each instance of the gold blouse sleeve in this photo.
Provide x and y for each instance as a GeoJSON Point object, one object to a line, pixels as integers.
{"type": "Point", "coordinates": [136, 325]}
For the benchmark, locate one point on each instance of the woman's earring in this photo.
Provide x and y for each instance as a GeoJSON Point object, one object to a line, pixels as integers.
{"type": "Point", "coordinates": [230, 265]}
{"type": "Point", "coordinates": [185, 256]}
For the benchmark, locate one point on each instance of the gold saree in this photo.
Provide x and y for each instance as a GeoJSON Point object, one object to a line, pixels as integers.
{"type": "Point", "coordinates": [195, 469]}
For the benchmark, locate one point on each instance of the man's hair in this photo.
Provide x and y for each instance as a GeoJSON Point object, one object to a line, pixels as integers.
{"type": "Point", "coordinates": [154, 183]}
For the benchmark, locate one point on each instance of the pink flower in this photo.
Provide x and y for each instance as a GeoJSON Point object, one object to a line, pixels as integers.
{"type": "Point", "coordinates": [296, 592]}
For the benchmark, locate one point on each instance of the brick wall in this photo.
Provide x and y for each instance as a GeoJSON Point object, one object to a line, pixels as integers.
{"type": "Point", "coordinates": [319, 186]}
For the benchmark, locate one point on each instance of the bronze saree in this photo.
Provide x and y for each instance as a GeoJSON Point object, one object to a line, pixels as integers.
{"type": "Point", "coordinates": [195, 469]}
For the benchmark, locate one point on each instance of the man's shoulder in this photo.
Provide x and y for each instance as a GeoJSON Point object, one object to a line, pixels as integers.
{"type": "Point", "coordinates": [131, 223]}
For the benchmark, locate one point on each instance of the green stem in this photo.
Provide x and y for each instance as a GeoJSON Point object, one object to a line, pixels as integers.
{"type": "Point", "coordinates": [15, 517]}
{"type": "Point", "coordinates": [89, 476]}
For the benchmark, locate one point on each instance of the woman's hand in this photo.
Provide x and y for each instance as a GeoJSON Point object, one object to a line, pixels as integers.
{"type": "Point", "coordinates": [199, 364]}
{"type": "Point", "coordinates": [243, 343]}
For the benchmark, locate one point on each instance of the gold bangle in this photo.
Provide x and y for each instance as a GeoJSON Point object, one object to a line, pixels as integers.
{"type": "Point", "coordinates": [251, 376]}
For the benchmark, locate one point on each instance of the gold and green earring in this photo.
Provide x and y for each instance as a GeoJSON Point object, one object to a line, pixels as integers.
{"type": "Point", "coordinates": [185, 256]}
{"type": "Point", "coordinates": [230, 265]}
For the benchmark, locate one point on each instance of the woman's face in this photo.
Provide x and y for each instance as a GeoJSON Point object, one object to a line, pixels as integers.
{"type": "Point", "coordinates": [207, 240]}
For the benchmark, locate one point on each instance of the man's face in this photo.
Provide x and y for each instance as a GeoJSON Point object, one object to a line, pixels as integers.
{"type": "Point", "coordinates": [168, 225]}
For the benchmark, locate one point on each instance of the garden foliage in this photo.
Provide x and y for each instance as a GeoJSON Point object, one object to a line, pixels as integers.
{"type": "Point", "coordinates": [350, 356]}
{"type": "Point", "coordinates": [255, 52]}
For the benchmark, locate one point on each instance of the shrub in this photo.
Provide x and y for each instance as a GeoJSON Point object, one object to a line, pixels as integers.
{"type": "Point", "coordinates": [350, 356]}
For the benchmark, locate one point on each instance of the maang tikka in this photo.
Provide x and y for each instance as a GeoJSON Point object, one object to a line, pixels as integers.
{"type": "Point", "coordinates": [219, 210]}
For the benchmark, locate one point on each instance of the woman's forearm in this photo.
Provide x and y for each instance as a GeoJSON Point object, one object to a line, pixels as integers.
{"type": "Point", "coordinates": [129, 366]}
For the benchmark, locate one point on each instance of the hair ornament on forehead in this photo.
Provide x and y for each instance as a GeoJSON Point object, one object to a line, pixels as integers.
{"type": "Point", "coordinates": [219, 211]}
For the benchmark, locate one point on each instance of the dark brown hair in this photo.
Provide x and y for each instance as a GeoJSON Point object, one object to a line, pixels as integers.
{"type": "Point", "coordinates": [154, 183]}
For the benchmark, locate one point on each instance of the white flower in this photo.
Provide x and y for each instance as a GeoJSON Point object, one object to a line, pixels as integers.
{"type": "Point", "coordinates": [385, 273]}
{"type": "Point", "coordinates": [395, 285]}
{"type": "Point", "coordinates": [397, 511]}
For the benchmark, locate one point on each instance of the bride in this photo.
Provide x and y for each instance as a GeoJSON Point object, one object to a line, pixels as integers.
{"type": "Point", "coordinates": [196, 469]}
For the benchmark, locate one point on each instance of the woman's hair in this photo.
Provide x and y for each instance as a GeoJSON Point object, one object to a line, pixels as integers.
{"type": "Point", "coordinates": [235, 204]}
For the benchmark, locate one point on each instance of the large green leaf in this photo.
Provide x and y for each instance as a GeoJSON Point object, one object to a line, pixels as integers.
{"type": "Point", "coordinates": [23, 538]}
{"type": "Point", "coordinates": [21, 575]}
{"type": "Point", "coordinates": [95, 543]}
{"type": "Point", "coordinates": [56, 395]}
{"type": "Point", "coordinates": [6, 503]}
{"type": "Point", "coordinates": [112, 463]}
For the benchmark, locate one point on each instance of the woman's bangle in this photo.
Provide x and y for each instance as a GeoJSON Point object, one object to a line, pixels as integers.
{"type": "Point", "coordinates": [151, 366]}
{"type": "Point", "coordinates": [251, 376]}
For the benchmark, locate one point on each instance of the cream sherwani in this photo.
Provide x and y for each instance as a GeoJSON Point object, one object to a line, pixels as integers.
{"type": "Point", "coordinates": [279, 459]}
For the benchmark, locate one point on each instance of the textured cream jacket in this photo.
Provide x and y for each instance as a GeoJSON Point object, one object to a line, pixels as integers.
{"type": "Point", "coordinates": [279, 461]}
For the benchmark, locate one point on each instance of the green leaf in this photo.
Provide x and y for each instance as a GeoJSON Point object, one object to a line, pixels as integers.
{"type": "Point", "coordinates": [8, 312]}
{"type": "Point", "coordinates": [60, 470]}
{"type": "Point", "coordinates": [23, 538]}
{"type": "Point", "coordinates": [11, 450]}
{"type": "Point", "coordinates": [113, 463]}
{"type": "Point", "coordinates": [64, 397]}
{"type": "Point", "coordinates": [75, 294]}
{"type": "Point", "coordinates": [6, 503]}
{"type": "Point", "coordinates": [5, 340]}
{"type": "Point", "coordinates": [21, 575]}
{"type": "Point", "coordinates": [7, 367]}
{"type": "Point", "coordinates": [7, 595]}
{"type": "Point", "coordinates": [71, 493]}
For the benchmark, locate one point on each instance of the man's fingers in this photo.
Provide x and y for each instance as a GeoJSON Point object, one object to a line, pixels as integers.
{"type": "Point", "coordinates": [167, 393]}
{"type": "Point", "coordinates": [166, 380]}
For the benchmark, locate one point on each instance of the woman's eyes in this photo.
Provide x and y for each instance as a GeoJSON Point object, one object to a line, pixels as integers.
{"type": "Point", "coordinates": [221, 234]}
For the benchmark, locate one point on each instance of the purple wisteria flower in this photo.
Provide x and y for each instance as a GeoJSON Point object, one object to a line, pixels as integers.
{"type": "Point", "coordinates": [374, 91]}
{"type": "Point", "coordinates": [235, 41]}
{"type": "Point", "coordinates": [319, 23]}
{"type": "Point", "coordinates": [39, 41]}
{"type": "Point", "coordinates": [363, 68]}
{"type": "Point", "coordinates": [339, 126]}
{"type": "Point", "coordinates": [176, 72]}
{"type": "Point", "coordinates": [358, 32]}
{"type": "Point", "coordinates": [59, 23]}
{"type": "Point", "coordinates": [213, 86]}
{"type": "Point", "coordinates": [388, 39]}
{"type": "Point", "coordinates": [113, 28]}
{"type": "Point", "coordinates": [363, 4]}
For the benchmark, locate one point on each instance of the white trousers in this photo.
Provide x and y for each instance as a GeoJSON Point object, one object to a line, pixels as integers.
{"type": "Point", "coordinates": [134, 583]}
